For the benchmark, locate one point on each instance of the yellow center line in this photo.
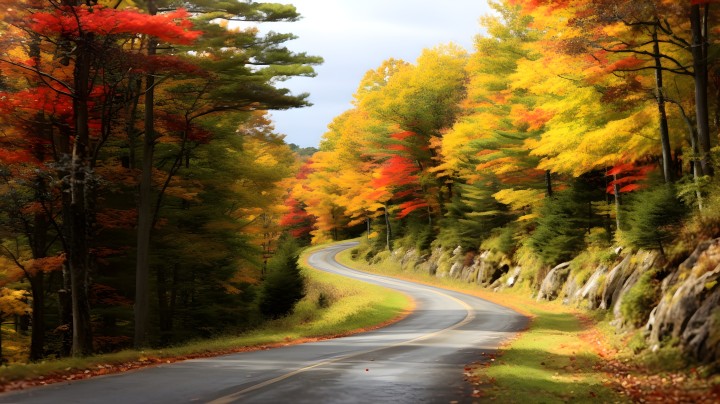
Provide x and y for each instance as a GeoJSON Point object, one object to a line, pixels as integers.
{"type": "Point", "coordinates": [468, 318]}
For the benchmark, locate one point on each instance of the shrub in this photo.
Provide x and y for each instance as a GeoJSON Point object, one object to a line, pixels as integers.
{"type": "Point", "coordinates": [284, 285]}
{"type": "Point", "coordinates": [502, 240]}
{"type": "Point", "coordinates": [639, 301]}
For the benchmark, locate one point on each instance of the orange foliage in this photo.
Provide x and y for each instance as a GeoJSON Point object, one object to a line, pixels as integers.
{"type": "Point", "coordinates": [47, 264]}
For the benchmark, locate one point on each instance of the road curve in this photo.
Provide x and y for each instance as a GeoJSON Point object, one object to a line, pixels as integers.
{"type": "Point", "coordinates": [419, 359]}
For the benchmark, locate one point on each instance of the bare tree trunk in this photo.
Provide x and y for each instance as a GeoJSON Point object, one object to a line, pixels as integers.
{"type": "Point", "coordinates": [548, 184]}
{"type": "Point", "coordinates": [145, 220]}
{"type": "Point", "coordinates": [616, 192]}
{"type": "Point", "coordinates": [77, 212]}
{"type": "Point", "coordinates": [660, 99]}
{"type": "Point", "coordinates": [388, 229]}
{"type": "Point", "coordinates": [699, 54]}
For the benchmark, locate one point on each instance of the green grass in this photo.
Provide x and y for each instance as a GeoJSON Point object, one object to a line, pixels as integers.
{"type": "Point", "coordinates": [548, 363]}
{"type": "Point", "coordinates": [347, 306]}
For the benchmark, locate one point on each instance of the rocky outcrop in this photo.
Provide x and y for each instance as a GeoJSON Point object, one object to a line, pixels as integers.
{"type": "Point", "coordinates": [689, 302]}
{"type": "Point", "coordinates": [625, 275]}
{"type": "Point", "coordinates": [553, 282]}
{"type": "Point", "coordinates": [689, 310]}
{"type": "Point", "coordinates": [457, 263]}
{"type": "Point", "coordinates": [591, 291]}
{"type": "Point", "coordinates": [490, 270]}
{"type": "Point", "coordinates": [409, 259]}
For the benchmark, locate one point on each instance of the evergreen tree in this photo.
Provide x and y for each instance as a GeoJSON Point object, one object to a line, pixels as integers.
{"type": "Point", "coordinates": [284, 285]}
{"type": "Point", "coordinates": [563, 221]}
{"type": "Point", "coordinates": [652, 214]}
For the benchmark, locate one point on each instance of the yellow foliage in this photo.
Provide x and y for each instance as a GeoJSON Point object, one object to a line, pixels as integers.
{"type": "Point", "coordinates": [518, 199]}
{"type": "Point", "coordinates": [13, 302]}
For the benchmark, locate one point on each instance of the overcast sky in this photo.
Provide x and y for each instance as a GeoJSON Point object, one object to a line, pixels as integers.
{"type": "Point", "coordinates": [354, 36]}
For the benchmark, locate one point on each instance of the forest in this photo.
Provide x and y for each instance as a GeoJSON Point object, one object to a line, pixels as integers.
{"type": "Point", "coordinates": [141, 180]}
{"type": "Point", "coordinates": [574, 137]}
{"type": "Point", "coordinates": [147, 199]}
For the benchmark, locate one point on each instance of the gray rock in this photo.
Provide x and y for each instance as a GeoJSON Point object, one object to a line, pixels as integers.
{"type": "Point", "coordinates": [456, 270]}
{"type": "Point", "coordinates": [590, 291]}
{"type": "Point", "coordinates": [614, 281]}
{"type": "Point", "coordinates": [514, 277]}
{"type": "Point", "coordinates": [690, 313]}
{"type": "Point", "coordinates": [553, 282]}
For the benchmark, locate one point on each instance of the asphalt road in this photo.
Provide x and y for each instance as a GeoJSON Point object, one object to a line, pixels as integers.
{"type": "Point", "coordinates": [420, 359]}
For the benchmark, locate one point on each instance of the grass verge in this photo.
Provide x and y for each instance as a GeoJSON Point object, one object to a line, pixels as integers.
{"type": "Point", "coordinates": [556, 360]}
{"type": "Point", "coordinates": [333, 306]}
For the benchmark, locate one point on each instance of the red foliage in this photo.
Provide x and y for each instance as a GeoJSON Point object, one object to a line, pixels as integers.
{"type": "Point", "coordinates": [631, 175]}
{"type": "Point", "coordinates": [305, 170]}
{"type": "Point", "coordinates": [408, 207]}
{"type": "Point", "coordinates": [177, 124]}
{"type": "Point", "coordinates": [8, 156]}
{"type": "Point", "coordinates": [297, 220]}
{"type": "Point", "coordinates": [172, 27]}
{"type": "Point", "coordinates": [165, 64]}
{"type": "Point", "coordinates": [36, 99]}
{"type": "Point", "coordinates": [402, 135]}
{"type": "Point", "coordinates": [108, 296]}
{"type": "Point", "coordinates": [397, 171]}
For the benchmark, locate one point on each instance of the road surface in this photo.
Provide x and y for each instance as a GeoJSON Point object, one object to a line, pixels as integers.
{"type": "Point", "coordinates": [420, 359]}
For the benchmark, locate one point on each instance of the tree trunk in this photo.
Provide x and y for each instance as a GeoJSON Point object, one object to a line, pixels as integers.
{"type": "Point", "coordinates": [548, 184]}
{"type": "Point", "coordinates": [660, 98]}
{"type": "Point", "coordinates": [699, 55]}
{"type": "Point", "coordinates": [65, 306]}
{"type": "Point", "coordinates": [77, 213]}
{"type": "Point", "coordinates": [37, 334]}
{"type": "Point", "coordinates": [2, 360]}
{"type": "Point", "coordinates": [145, 220]}
{"type": "Point", "coordinates": [388, 229]}
{"type": "Point", "coordinates": [142, 274]}
{"type": "Point", "coordinates": [616, 192]}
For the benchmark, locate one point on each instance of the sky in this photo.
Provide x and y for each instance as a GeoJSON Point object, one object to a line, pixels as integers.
{"type": "Point", "coordinates": [354, 36]}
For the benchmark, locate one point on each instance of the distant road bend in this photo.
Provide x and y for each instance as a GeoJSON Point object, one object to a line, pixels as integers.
{"type": "Point", "coordinates": [417, 360]}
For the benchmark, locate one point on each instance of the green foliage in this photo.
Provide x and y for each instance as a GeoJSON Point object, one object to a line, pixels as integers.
{"type": "Point", "coordinates": [471, 216]}
{"type": "Point", "coordinates": [651, 217]}
{"type": "Point", "coordinates": [502, 240]}
{"type": "Point", "coordinates": [284, 285]}
{"type": "Point", "coordinates": [637, 343]}
{"type": "Point", "coordinates": [690, 190]}
{"type": "Point", "coordinates": [639, 301]}
{"type": "Point", "coordinates": [557, 236]}
{"type": "Point", "coordinates": [565, 220]}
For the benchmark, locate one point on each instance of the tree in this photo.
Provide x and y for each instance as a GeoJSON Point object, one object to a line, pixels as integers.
{"type": "Point", "coordinates": [284, 285]}
{"type": "Point", "coordinates": [651, 217]}
{"type": "Point", "coordinates": [12, 302]}
{"type": "Point", "coordinates": [241, 69]}
{"type": "Point", "coordinates": [88, 37]}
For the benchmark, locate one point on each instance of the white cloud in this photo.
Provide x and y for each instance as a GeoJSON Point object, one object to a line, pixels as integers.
{"type": "Point", "coordinates": [354, 36]}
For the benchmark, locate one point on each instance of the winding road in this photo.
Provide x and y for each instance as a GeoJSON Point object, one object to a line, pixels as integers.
{"type": "Point", "coordinates": [419, 359]}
